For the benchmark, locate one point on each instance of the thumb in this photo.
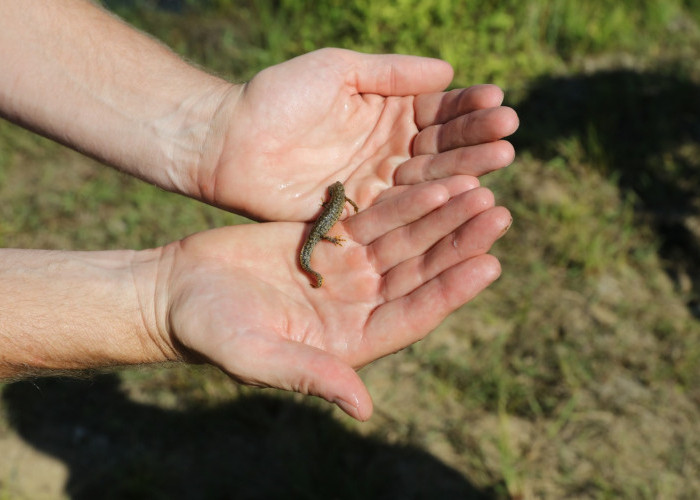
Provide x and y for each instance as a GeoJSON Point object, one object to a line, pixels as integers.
{"type": "Point", "coordinates": [392, 74]}
{"type": "Point", "coordinates": [294, 366]}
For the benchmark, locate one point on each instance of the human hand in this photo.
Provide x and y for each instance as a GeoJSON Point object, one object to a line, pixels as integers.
{"type": "Point", "coordinates": [295, 128]}
{"type": "Point", "coordinates": [237, 297]}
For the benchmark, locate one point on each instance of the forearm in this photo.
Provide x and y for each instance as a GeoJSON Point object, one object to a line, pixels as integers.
{"type": "Point", "coordinates": [77, 74]}
{"type": "Point", "coordinates": [78, 310]}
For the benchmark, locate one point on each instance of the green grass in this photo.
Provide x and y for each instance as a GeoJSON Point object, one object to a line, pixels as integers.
{"type": "Point", "coordinates": [575, 375]}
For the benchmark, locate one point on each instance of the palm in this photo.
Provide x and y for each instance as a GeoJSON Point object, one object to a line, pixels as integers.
{"type": "Point", "coordinates": [261, 321]}
{"type": "Point", "coordinates": [304, 124]}
{"type": "Point", "coordinates": [286, 307]}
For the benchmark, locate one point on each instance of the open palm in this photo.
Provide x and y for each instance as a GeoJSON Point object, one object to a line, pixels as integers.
{"type": "Point", "coordinates": [334, 114]}
{"type": "Point", "coordinates": [238, 297]}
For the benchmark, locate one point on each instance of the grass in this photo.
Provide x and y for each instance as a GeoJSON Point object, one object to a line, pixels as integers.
{"type": "Point", "coordinates": [575, 375]}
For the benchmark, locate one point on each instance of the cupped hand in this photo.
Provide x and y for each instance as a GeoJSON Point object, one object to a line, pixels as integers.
{"type": "Point", "coordinates": [370, 121]}
{"type": "Point", "coordinates": [237, 296]}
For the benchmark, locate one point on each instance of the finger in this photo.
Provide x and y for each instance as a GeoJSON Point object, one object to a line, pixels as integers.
{"type": "Point", "coordinates": [474, 160]}
{"type": "Point", "coordinates": [477, 127]}
{"type": "Point", "coordinates": [415, 239]}
{"type": "Point", "coordinates": [455, 184]}
{"type": "Point", "coordinates": [408, 319]}
{"type": "Point", "coordinates": [403, 206]}
{"type": "Point", "coordinates": [271, 362]}
{"type": "Point", "coordinates": [470, 240]}
{"type": "Point", "coordinates": [441, 107]}
{"type": "Point", "coordinates": [400, 75]}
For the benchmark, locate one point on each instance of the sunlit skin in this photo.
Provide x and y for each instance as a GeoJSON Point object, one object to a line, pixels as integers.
{"type": "Point", "coordinates": [265, 148]}
{"type": "Point", "coordinates": [339, 115]}
{"type": "Point", "coordinates": [238, 297]}
{"type": "Point", "coordinates": [407, 152]}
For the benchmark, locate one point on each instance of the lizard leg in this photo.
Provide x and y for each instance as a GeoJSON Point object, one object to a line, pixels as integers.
{"type": "Point", "coordinates": [336, 240]}
{"type": "Point", "coordinates": [354, 205]}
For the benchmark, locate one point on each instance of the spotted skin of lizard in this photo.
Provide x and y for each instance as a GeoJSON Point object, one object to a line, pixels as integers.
{"type": "Point", "coordinates": [332, 209]}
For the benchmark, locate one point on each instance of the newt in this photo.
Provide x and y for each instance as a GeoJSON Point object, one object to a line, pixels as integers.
{"type": "Point", "coordinates": [329, 216]}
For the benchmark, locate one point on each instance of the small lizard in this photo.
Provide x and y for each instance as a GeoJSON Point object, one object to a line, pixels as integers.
{"type": "Point", "coordinates": [330, 215]}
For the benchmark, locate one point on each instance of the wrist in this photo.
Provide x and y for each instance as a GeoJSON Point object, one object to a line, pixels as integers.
{"type": "Point", "coordinates": [77, 310]}
{"type": "Point", "coordinates": [150, 277]}
{"type": "Point", "coordinates": [208, 138]}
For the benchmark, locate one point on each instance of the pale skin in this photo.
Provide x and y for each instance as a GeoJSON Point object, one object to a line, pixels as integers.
{"type": "Point", "coordinates": [407, 153]}
{"type": "Point", "coordinates": [235, 296]}
{"type": "Point", "coordinates": [369, 141]}
{"type": "Point", "coordinates": [266, 148]}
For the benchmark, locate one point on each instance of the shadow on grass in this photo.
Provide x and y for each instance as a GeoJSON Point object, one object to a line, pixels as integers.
{"type": "Point", "coordinates": [256, 447]}
{"type": "Point", "coordinates": [643, 129]}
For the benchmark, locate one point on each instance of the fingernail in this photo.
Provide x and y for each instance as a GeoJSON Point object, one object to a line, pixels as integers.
{"type": "Point", "coordinates": [348, 408]}
{"type": "Point", "coordinates": [505, 229]}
